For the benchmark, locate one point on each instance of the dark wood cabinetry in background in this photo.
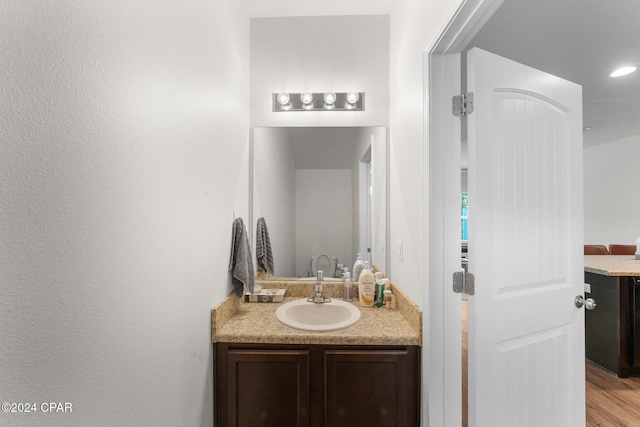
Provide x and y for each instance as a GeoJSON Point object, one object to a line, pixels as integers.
{"type": "Point", "coordinates": [316, 385]}
{"type": "Point", "coordinates": [612, 330]}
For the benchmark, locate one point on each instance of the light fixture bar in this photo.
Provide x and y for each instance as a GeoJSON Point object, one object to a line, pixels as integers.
{"type": "Point", "coordinates": [294, 101]}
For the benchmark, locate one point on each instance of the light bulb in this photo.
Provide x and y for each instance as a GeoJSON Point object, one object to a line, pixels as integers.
{"type": "Point", "coordinates": [306, 98]}
{"type": "Point", "coordinates": [283, 98]}
{"type": "Point", "coordinates": [329, 98]}
{"type": "Point", "coordinates": [353, 97]}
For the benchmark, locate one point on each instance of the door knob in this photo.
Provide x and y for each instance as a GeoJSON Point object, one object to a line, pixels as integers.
{"type": "Point", "coordinates": [588, 303]}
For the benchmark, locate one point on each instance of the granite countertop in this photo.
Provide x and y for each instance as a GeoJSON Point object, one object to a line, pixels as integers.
{"type": "Point", "coordinates": [612, 265]}
{"type": "Point", "coordinates": [242, 322]}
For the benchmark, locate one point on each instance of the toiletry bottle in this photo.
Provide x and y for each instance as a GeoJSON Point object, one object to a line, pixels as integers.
{"type": "Point", "coordinates": [379, 294]}
{"type": "Point", "coordinates": [366, 287]}
{"type": "Point", "coordinates": [357, 268]}
{"type": "Point", "coordinates": [389, 300]}
{"type": "Point", "coordinates": [348, 287]}
{"type": "Point", "coordinates": [379, 297]}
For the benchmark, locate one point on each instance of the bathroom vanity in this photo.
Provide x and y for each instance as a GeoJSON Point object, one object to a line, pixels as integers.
{"type": "Point", "coordinates": [612, 329]}
{"type": "Point", "coordinates": [268, 374]}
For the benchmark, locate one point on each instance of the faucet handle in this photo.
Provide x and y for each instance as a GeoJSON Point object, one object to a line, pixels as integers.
{"type": "Point", "coordinates": [320, 276]}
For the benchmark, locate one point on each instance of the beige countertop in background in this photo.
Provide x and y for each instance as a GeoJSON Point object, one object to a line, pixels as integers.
{"type": "Point", "coordinates": [612, 265]}
{"type": "Point", "coordinates": [243, 322]}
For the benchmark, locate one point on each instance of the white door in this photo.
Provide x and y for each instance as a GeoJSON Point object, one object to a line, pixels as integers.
{"type": "Point", "coordinates": [526, 336]}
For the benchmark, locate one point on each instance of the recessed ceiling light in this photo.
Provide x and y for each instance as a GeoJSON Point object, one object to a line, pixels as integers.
{"type": "Point", "coordinates": [623, 71]}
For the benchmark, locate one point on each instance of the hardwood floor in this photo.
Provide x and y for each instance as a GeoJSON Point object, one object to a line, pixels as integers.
{"type": "Point", "coordinates": [611, 401]}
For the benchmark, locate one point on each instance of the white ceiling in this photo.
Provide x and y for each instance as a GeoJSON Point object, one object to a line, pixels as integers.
{"type": "Point", "coordinates": [580, 40]}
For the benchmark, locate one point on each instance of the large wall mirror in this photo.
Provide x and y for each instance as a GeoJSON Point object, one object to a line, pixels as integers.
{"type": "Point", "coordinates": [322, 191]}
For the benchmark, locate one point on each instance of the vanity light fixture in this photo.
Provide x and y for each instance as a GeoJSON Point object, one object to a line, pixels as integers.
{"type": "Point", "coordinates": [321, 101]}
{"type": "Point", "coordinates": [623, 71]}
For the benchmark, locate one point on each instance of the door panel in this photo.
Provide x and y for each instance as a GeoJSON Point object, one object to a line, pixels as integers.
{"type": "Point", "coordinates": [526, 336]}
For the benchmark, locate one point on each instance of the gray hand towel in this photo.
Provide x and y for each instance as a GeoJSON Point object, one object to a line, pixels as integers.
{"type": "Point", "coordinates": [241, 263]}
{"type": "Point", "coordinates": [263, 247]}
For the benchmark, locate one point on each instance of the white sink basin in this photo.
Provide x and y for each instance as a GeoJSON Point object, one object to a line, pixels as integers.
{"type": "Point", "coordinates": [307, 316]}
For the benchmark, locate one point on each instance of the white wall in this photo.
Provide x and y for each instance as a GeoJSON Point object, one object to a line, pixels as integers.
{"type": "Point", "coordinates": [123, 152]}
{"type": "Point", "coordinates": [413, 25]}
{"type": "Point", "coordinates": [611, 195]}
{"type": "Point", "coordinates": [319, 54]}
{"type": "Point", "coordinates": [274, 195]}
{"type": "Point", "coordinates": [323, 223]}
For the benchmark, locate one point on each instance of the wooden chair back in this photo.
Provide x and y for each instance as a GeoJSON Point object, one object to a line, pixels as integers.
{"type": "Point", "coordinates": [595, 250]}
{"type": "Point", "coordinates": [622, 249]}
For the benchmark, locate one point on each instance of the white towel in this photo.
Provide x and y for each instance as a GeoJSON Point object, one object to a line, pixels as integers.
{"type": "Point", "coordinates": [263, 247]}
{"type": "Point", "coordinates": [241, 262]}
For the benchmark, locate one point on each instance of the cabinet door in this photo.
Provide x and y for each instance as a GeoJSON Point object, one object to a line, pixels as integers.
{"type": "Point", "coordinates": [370, 388]}
{"type": "Point", "coordinates": [263, 388]}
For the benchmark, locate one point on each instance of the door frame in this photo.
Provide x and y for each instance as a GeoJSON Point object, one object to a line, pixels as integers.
{"type": "Point", "coordinates": [365, 240]}
{"type": "Point", "coordinates": [442, 397]}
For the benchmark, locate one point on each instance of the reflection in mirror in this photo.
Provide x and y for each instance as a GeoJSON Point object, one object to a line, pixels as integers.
{"type": "Point", "coordinates": [321, 191]}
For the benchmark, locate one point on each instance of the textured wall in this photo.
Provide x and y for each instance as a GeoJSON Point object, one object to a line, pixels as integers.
{"type": "Point", "coordinates": [123, 153]}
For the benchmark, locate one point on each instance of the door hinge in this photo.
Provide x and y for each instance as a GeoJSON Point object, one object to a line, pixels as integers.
{"type": "Point", "coordinates": [463, 283]}
{"type": "Point", "coordinates": [463, 105]}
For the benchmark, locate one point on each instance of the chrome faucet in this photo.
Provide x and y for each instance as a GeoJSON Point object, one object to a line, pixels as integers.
{"type": "Point", "coordinates": [318, 297]}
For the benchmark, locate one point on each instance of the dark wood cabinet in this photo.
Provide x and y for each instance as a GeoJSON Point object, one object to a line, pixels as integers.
{"type": "Point", "coordinates": [259, 387]}
{"type": "Point", "coordinates": [612, 330]}
{"type": "Point", "coordinates": [370, 388]}
{"type": "Point", "coordinates": [316, 385]}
